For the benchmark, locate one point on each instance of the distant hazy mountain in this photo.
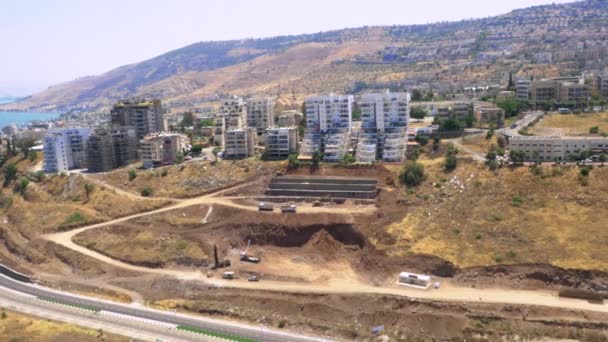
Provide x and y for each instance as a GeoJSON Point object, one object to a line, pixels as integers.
{"type": "Point", "coordinates": [440, 55]}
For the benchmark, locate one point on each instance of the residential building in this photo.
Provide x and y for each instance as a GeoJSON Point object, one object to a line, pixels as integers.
{"type": "Point", "coordinates": [281, 142]}
{"type": "Point", "coordinates": [557, 148]}
{"type": "Point", "coordinates": [240, 143]}
{"type": "Point", "coordinates": [234, 112]}
{"type": "Point", "coordinates": [290, 118]}
{"type": "Point", "coordinates": [145, 116]}
{"type": "Point", "coordinates": [523, 90]}
{"type": "Point", "coordinates": [384, 123]}
{"type": "Point", "coordinates": [112, 148]}
{"type": "Point", "coordinates": [162, 148]}
{"type": "Point", "coordinates": [328, 126]}
{"type": "Point", "coordinates": [544, 91]}
{"type": "Point", "coordinates": [604, 84]}
{"type": "Point", "coordinates": [260, 113]}
{"type": "Point", "coordinates": [65, 149]}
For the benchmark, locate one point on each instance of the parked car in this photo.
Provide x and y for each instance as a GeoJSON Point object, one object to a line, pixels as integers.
{"type": "Point", "coordinates": [228, 275]}
{"type": "Point", "coordinates": [288, 209]}
{"type": "Point", "coordinates": [253, 278]}
{"type": "Point", "coordinates": [514, 126]}
{"type": "Point", "coordinates": [437, 285]}
{"type": "Point", "coordinates": [265, 207]}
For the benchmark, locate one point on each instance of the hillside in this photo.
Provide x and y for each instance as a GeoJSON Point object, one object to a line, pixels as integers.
{"type": "Point", "coordinates": [449, 55]}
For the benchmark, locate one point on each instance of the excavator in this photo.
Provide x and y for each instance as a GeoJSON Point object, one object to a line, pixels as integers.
{"type": "Point", "coordinates": [247, 258]}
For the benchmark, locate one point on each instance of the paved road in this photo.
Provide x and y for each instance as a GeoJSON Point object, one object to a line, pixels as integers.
{"type": "Point", "coordinates": [519, 124]}
{"type": "Point", "coordinates": [257, 333]}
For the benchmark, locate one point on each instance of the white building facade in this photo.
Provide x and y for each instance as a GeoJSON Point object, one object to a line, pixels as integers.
{"type": "Point", "coordinates": [385, 119]}
{"type": "Point", "coordinates": [260, 113]}
{"type": "Point", "coordinates": [65, 149]}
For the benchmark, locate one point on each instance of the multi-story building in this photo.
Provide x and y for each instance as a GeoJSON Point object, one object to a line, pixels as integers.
{"type": "Point", "coordinates": [162, 148]}
{"type": "Point", "coordinates": [523, 90]}
{"type": "Point", "coordinates": [234, 112]}
{"type": "Point", "coordinates": [290, 118]}
{"type": "Point", "coordinates": [65, 149]}
{"type": "Point", "coordinates": [328, 126]}
{"type": "Point", "coordinates": [574, 92]}
{"type": "Point", "coordinates": [281, 142]}
{"type": "Point", "coordinates": [146, 117]}
{"type": "Point", "coordinates": [260, 113]}
{"type": "Point", "coordinates": [384, 123]}
{"type": "Point", "coordinates": [557, 148]}
{"type": "Point", "coordinates": [240, 143]}
{"type": "Point", "coordinates": [544, 91]}
{"type": "Point", "coordinates": [490, 115]}
{"type": "Point", "coordinates": [112, 148]}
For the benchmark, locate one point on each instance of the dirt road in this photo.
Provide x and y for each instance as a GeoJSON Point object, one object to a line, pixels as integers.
{"type": "Point", "coordinates": [346, 286]}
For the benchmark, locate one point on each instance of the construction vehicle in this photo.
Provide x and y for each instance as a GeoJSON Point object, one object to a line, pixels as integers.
{"type": "Point", "coordinates": [219, 263]}
{"type": "Point", "coordinates": [247, 258]}
{"type": "Point", "coordinates": [265, 207]}
{"type": "Point", "coordinates": [228, 275]}
{"type": "Point", "coordinates": [288, 208]}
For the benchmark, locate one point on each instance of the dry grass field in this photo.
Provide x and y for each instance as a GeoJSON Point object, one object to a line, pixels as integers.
{"type": "Point", "coordinates": [571, 124]}
{"type": "Point", "coordinates": [189, 179]}
{"type": "Point", "coordinates": [20, 327]}
{"type": "Point", "coordinates": [475, 217]}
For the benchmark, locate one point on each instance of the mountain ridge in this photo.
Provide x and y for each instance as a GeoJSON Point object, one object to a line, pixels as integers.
{"type": "Point", "coordinates": [445, 53]}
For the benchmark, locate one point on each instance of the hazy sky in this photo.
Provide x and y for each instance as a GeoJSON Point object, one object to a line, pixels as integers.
{"type": "Point", "coordinates": [44, 42]}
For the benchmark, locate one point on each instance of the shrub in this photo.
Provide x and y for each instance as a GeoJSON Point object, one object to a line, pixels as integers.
{"type": "Point", "coordinates": [10, 173]}
{"type": "Point", "coordinates": [585, 171]}
{"type": "Point", "coordinates": [196, 149]}
{"type": "Point", "coordinates": [181, 245]}
{"type": "Point", "coordinates": [282, 323]}
{"type": "Point", "coordinates": [422, 139]}
{"type": "Point", "coordinates": [477, 236]}
{"type": "Point", "coordinates": [498, 259]}
{"type": "Point", "coordinates": [164, 172]}
{"type": "Point", "coordinates": [72, 220]}
{"type": "Point", "coordinates": [88, 189]}
{"type": "Point", "coordinates": [501, 141]}
{"type": "Point", "coordinates": [511, 253]}
{"type": "Point", "coordinates": [348, 159]}
{"type": "Point", "coordinates": [293, 161]}
{"type": "Point", "coordinates": [517, 201]}
{"type": "Point", "coordinates": [489, 134]}
{"type": "Point", "coordinates": [132, 174]}
{"type": "Point", "coordinates": [450, 162]}
{"type": "Point", "coordinates": [412, 174]}
{"type": "Point", "coordinates": [147, 191]}
{"type": "Point", "coordinates": [22, 185]}
{"type": "Point", "coordinates": [594, 130]}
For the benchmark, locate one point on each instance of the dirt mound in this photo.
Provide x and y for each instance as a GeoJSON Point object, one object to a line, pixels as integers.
{"type": "Point", "coordinates": [289, 236]}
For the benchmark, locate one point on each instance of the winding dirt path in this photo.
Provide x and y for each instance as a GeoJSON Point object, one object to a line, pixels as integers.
{"type": "Point", "coordinates": [346, 286]}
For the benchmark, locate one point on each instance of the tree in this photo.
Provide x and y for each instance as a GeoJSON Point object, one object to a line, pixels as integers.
{"type": "Point", "coordinates": [356, 112]}
{"type": "Point", "coordinates": [215, 152]}
{"type": "Point", "coordinates": [22, 185]}
{"type": "Point", "coordinates": [316, 159]}
{"type": "Point", "coordinates": [451, 124]}
{"type": "Point", "coordinates": [10, 173]}
{"type": "Point", "coordinates": [511, 84]}
{"type": "Point", "coordinates": [348, 159]}
{"type": "Point", "coordinates": [490, 134]}
{"type": "Point", "coordinates": [412, 174]}
{"type": "Point", "coordinates": [33, 155]}
{"type": "Point", "coordinates": [517, 157]}
{"type": "Point", "coordinates": [422, 139]}
{"type": "Point", "coordinates": [501, 141]}
{"type": "Point", "coordinates": [132, 174]}
{"type": "Point", "coordinates": [187, 119]}
{"type": "Point", "coordinates": [594, 130]}
{"type": "Point", "coordinates": [602, 158]}
{"type": "Point", "coordinates": [88, 189]}
{"type": "Point", "coordinates": [416, 95]}
{"type": "Point", "coordinates": [510, 106]}
{"type": "Point", "coordinates": [418, 112]}
{"type": "Point", "coordinates": [293, 162]}
{"type": "Point", "coordinates": [179, 158]}
{"type": "Point", "coordinates": [207, 122]}
{"type": "Point", "coordinates": [196, 149]}
{"type": "Point", "coordinates": [450, 162]}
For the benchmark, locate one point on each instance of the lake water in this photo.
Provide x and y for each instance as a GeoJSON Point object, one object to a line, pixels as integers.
{"type": "Point", "coordinates": [7, 118]}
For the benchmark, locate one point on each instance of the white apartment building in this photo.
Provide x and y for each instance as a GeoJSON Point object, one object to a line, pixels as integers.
{"type": "Point", "coordinates": [557, 148]}
{"type": "Point", "coordinates": [65, 149]}
{"type": "Point", "coordinates": [162, 148]}
{"type": "Point", "coordinates": [260, 113]}
{"type": "Point", "coordinates": [240, 143]}
{"type": "Point", "coordinates": [328, 126]}
{"type": "Point", "coordinates": [281, 142]}
{"type": "Point", "coordinates": [385, 119]}
{"type": "Point", "coordinates": [234, 112]}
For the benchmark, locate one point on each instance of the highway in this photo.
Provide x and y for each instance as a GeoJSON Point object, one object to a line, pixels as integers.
{"type": "Point", "coordinates": [254, 333]}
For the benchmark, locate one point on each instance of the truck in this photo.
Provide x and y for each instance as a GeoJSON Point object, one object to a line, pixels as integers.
{"type": "Point", "coordinates": [288, 208]}
{"type": "Point", "coordinates": [265, 207]}
{"type": "Point", "coordinates": [228, 275]}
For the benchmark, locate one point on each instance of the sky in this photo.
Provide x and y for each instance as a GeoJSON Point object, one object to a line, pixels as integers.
{"type": "Point", "coordinates": [46, 42]}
